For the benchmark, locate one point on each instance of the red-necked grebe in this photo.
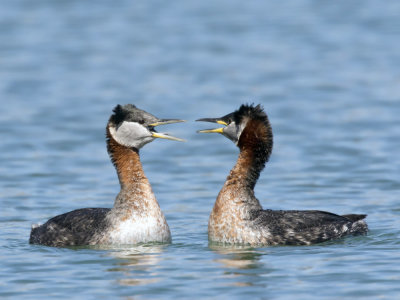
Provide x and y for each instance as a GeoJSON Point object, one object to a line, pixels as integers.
{"type": "Point", "coordinates": [136, 216]}
{"type": "Point", "coordinates": [237, 216]}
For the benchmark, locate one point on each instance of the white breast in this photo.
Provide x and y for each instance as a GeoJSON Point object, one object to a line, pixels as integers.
{"type": "Point", "coordinates": [140, 230]}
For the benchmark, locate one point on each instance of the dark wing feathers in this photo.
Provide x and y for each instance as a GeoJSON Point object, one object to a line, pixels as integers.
{"type": "Point", "coordinates": [354, 217]}
{"type": "Point", "coordinates": [305, 227]}
{"type": "Point", "coordinates": [81, 219]}
{"type": "Point", "coordinates": [298, 219]}
{"type": "Point", "coordinates": [72, 228]}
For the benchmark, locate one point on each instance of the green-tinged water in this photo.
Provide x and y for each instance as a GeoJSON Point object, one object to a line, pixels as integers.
{"type": "Point", "coordinates": [328, 75]}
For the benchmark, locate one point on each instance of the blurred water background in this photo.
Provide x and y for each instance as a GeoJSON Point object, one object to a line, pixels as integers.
{"type": "Point", "coordinates": [328, 75]}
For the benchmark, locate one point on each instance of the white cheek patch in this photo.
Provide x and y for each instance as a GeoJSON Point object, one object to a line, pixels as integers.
{"type": "Point", "coordinates": [131, 134]}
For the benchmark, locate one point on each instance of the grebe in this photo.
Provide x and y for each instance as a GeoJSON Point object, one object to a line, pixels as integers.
{"type": "Point", "coordinates": [136, 216]}
{"type": "Point", "coordinates": [237, 216]}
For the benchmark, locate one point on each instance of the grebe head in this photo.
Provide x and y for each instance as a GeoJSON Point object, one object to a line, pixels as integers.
{"type": "Point", "coordinates": [249, 128]}
{"type": "Point", "coordinates": [133, 127]}
{"type": "Point", "coordinates": [248, 119]}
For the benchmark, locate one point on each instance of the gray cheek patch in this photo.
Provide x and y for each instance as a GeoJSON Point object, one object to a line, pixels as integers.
{"type": "Point", "coordinates": [131, 134]}
{"type": "Point", "coordinates": [233, 131]}
{"type": "Point", "coordinates": [239, 130]}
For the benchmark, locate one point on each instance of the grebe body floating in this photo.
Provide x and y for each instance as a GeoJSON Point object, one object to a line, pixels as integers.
{"type": "Point", "coordinates": [136, 216]}
{"type": "Point", "coordinates": [237, 216]}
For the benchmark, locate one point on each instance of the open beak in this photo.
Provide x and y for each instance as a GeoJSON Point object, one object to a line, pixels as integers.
{"type": "Point", "coordinates": [213, 120]}
{"type": "Point", "coordinates": [165, 135]}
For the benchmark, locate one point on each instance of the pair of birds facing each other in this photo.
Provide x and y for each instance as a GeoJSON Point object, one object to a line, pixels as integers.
{"type": "Point", "coordinates": [237, 216]}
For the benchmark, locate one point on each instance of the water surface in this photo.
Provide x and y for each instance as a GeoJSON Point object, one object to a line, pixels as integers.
{"type": "Point", "coordinates": [328, 76]}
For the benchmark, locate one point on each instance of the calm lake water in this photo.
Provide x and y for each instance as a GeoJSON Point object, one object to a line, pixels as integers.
{"type": "Point", "coordinates": [328, 75]}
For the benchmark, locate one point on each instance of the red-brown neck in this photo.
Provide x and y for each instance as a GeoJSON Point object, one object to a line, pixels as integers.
{"type": "Point", "coordinates": [255, 146]}
{"type": "Point", "coordinates": [126, 161]}
{"type": "Point", "coordinates": [136, 191]}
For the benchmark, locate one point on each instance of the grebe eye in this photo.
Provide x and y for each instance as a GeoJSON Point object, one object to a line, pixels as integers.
{"type": "Point", "coordinates": [141, 121]}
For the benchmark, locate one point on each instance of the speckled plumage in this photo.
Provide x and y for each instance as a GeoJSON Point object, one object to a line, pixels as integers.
{"type": "Point", "coordinates": [237, 216]}
{"type": "Point", "coordinates": [136, 216]}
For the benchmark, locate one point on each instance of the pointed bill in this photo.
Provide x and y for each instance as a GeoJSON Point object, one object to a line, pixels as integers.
{"type": "Point", "coordinates": [213, 120]}
{"type": "Point", "coordinates": [166, 136]}
{"type": "Point", "coordinates": [166, 121]}
{"type": "Point", "coordinates": [216, 130]}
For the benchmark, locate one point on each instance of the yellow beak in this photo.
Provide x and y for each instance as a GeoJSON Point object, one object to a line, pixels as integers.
{"type": "Point", "coordinates": [216, 130]}
{"type": "Point", "coordinates": [166, 136]}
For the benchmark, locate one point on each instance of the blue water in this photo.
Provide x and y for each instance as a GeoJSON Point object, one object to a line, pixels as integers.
{"type": "Point", "coordinates": [328, 75]}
